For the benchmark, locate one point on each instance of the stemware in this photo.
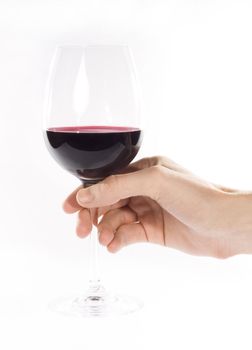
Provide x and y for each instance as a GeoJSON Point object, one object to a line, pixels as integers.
{"type": "Point", "coordinates": [92, 129]}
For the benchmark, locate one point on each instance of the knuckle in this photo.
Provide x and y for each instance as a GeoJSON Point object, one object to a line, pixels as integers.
{"type": "Point", "coordinates": [110, 180]}
{"type": "Point", "coordinates": [101, 189]}
{"type": "Point", "coordinates": [146, 162]}
{"type": "Point", "coordinates": [105, 192]}
{"type": "Point", "coordinates": [156, 160]}
{"type": "Point", "coordinates": [111, 183]}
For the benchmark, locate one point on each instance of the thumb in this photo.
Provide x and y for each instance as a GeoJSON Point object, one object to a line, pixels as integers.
{"type": "Point", "coordinates": [116, 187]}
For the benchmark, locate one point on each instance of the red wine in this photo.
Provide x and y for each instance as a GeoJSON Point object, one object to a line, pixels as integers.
{"type": "Point", "coordinates": [93, 152]}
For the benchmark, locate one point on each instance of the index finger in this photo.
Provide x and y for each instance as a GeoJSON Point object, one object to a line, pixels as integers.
{"type": "Point", "coordinates": [70, 205]}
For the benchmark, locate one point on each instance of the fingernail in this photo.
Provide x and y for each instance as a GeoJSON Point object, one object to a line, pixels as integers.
{"type": "Point", "coordinates": [84, 197]}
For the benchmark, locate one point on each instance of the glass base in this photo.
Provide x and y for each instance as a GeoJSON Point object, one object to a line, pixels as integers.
{"type": "Point", "coordinates": [96, 302]}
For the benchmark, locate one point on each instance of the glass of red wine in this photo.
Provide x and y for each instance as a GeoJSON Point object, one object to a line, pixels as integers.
{"type": "Point", "coordinates": [92, 129]}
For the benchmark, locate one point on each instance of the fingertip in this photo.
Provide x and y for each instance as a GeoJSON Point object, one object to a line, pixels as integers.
{"type": "Point", "coordinates": [68, 208]}
{"type": "Point", "coordinates": [105, 236]}
{"type": "Point", "coordinates": [70, 204]}
{"type": "Point", "coordinates": [113, 248]}
{"type": "Point", "coordinates": [82, 232]}
{"type": "Point", "coordinates": [102, 240]}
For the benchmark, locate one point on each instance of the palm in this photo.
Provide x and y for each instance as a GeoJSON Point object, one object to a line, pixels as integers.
{"type": "Point", "coordinates": [162, 228]}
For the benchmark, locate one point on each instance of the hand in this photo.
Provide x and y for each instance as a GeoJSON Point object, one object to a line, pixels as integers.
{"type": "Point", "coordinates": [160, 202]}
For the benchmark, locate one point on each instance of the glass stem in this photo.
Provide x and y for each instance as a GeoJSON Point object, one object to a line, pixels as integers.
{"type": "Point", "coordinates": [94, 259]}
{"type": "Point", "coordinates": [94, 280]}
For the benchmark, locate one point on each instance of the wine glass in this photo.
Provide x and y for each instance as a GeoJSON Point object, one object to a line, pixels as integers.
{"type": "Point", "coordinates": [92, 129]}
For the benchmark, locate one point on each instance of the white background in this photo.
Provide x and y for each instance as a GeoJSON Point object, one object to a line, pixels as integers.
{"type": "Point", "coordinates": [194, 62]}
